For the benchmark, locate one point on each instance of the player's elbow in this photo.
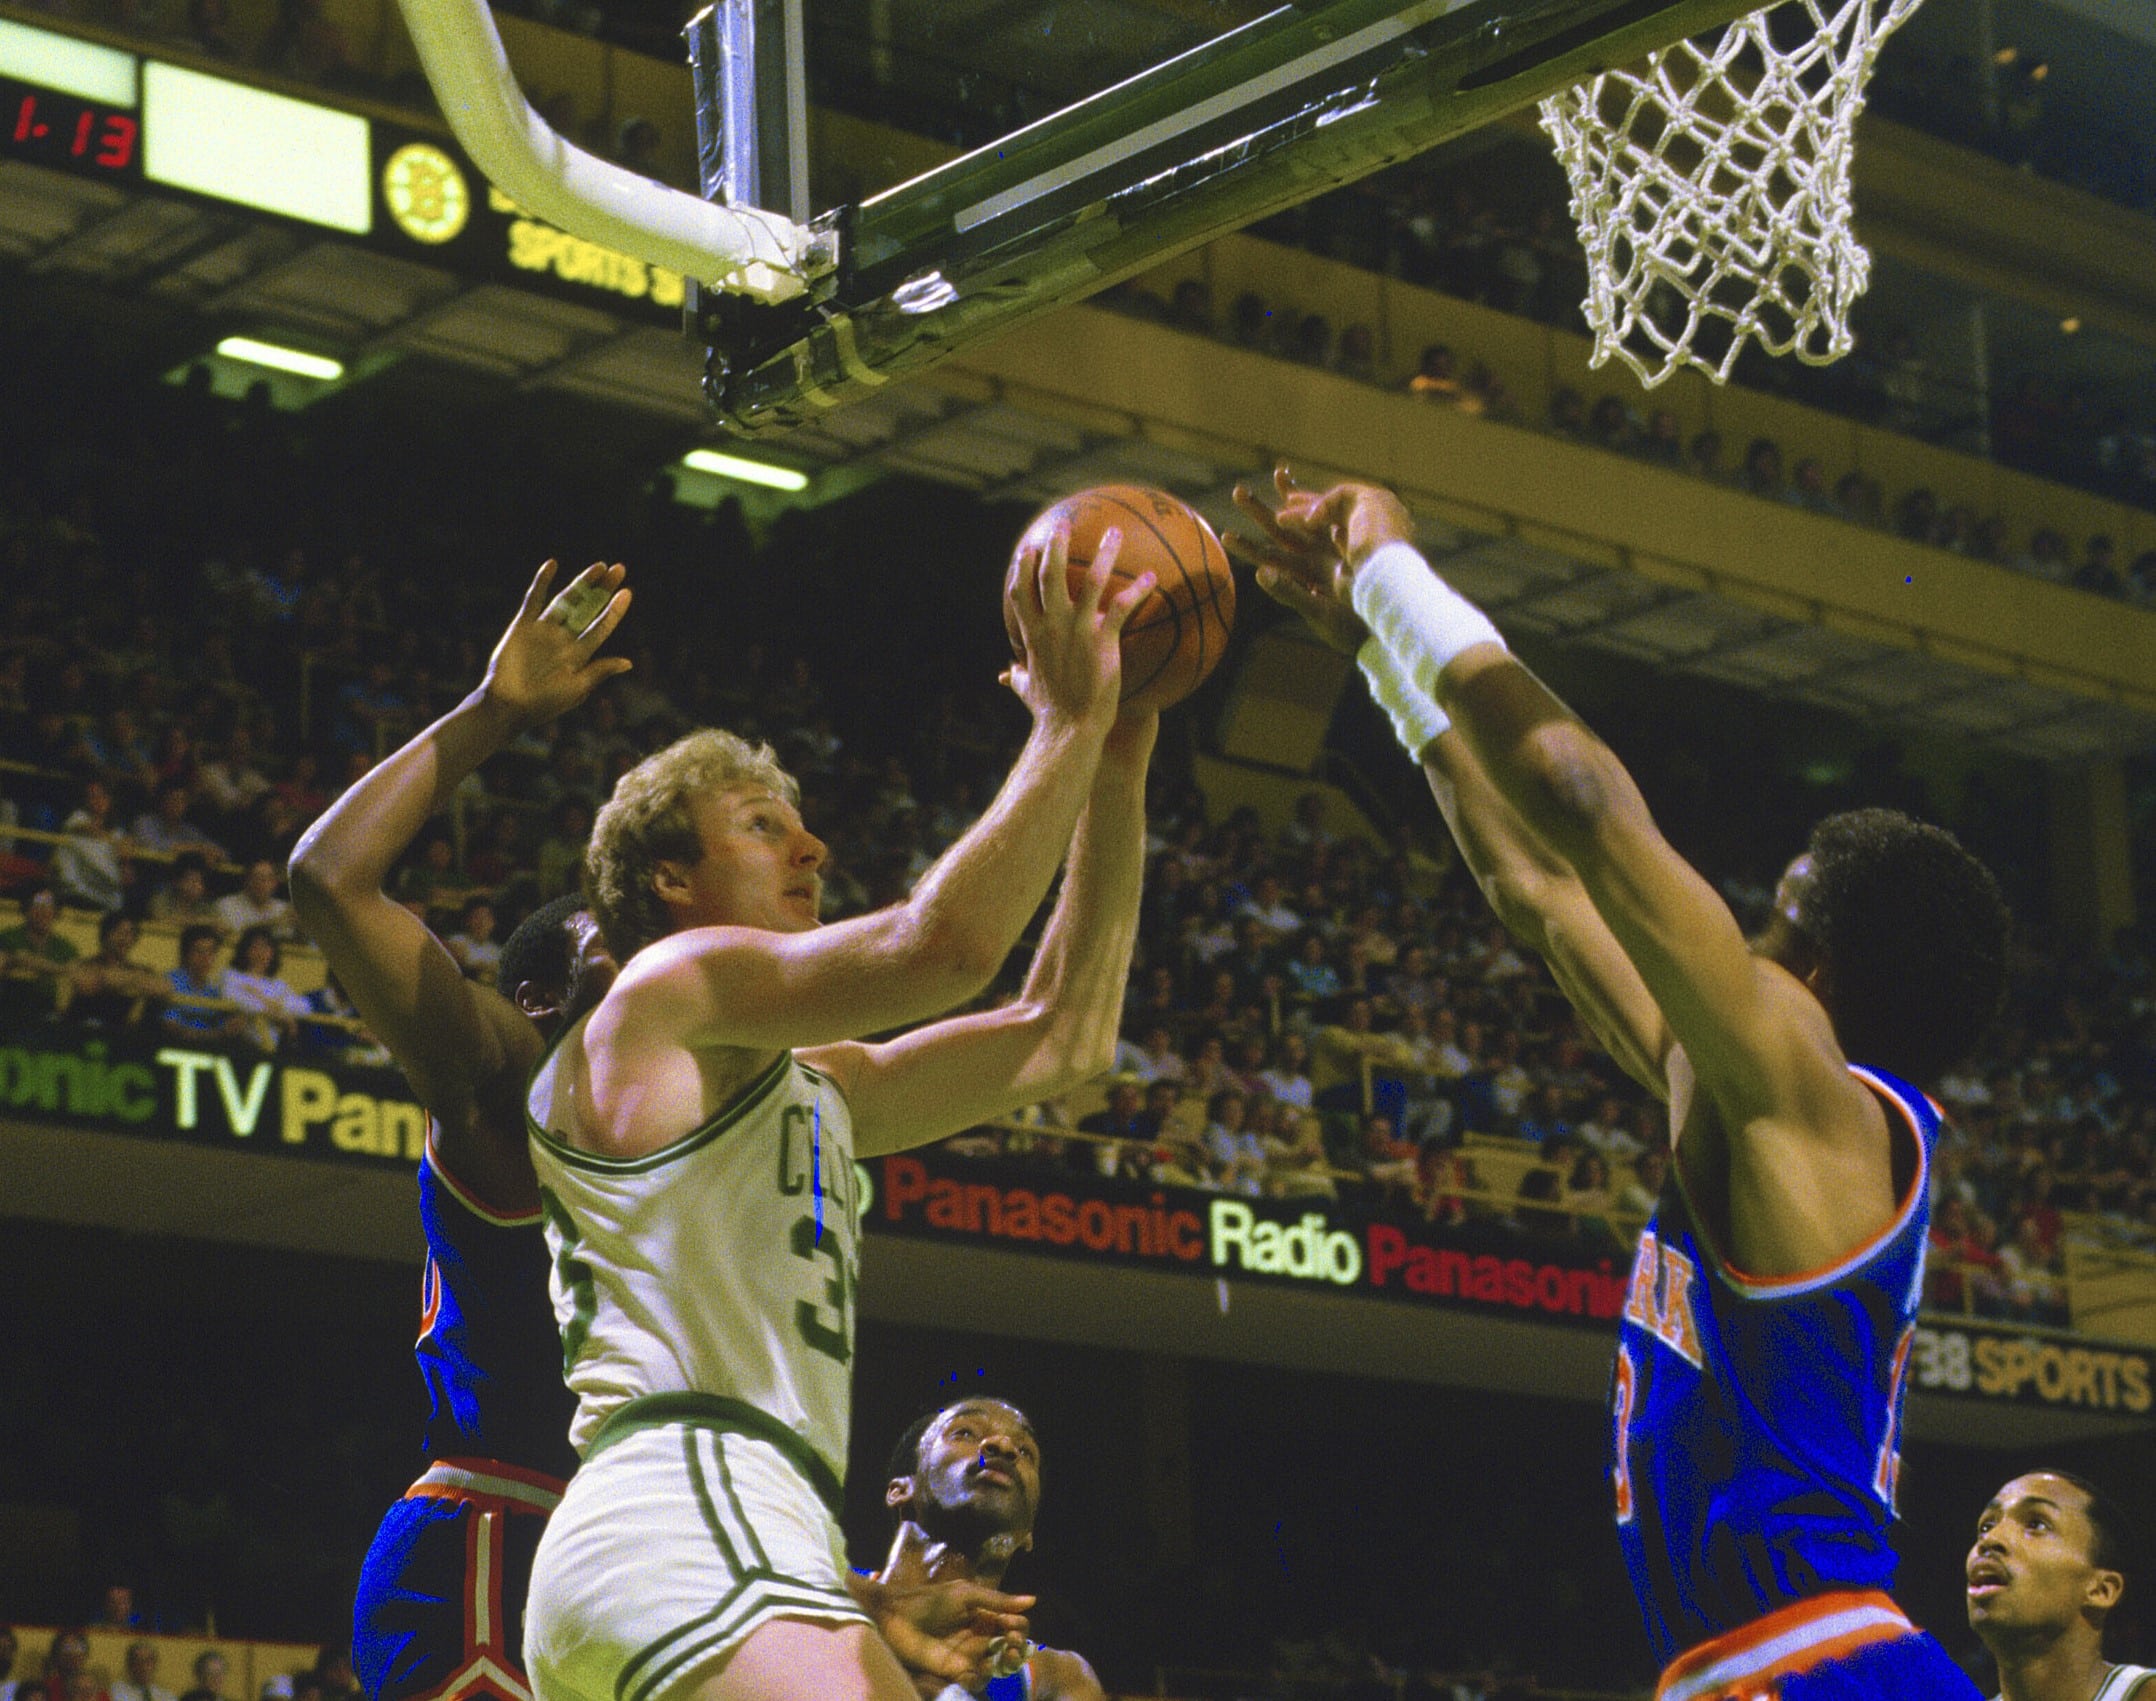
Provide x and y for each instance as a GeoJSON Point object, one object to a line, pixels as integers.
{"type": "Point", "coordinates": [1086, 1055]}
{"type": "Point", "coordinates": [314, 879]}
{"type": "Point", "coordinates": [1063, 1046]}
{"type": "Point", "coordinates": [1573, 796]}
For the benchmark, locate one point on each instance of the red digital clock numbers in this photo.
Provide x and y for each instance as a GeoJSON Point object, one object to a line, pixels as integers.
{"type": "Point", "coordinates": [52, 128]}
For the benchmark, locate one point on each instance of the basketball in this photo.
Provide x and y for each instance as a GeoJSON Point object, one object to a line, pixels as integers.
{"type": "Point", "coordinates": [1179, 633]}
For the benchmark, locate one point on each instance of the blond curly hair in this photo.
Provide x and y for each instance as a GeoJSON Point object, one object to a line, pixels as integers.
{"type": "Point", "coordinates": [647, 822]}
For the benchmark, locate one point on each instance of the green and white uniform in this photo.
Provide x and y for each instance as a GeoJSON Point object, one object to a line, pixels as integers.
{"type": "Point", "coordinates": [2121, 1683]}
{"type": "Point", "coordinates": [705, 1298]}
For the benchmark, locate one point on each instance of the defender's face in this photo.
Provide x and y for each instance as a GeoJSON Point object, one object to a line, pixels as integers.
{"type": "Point", "coordinates": [1781, 940]}
{"type": "Point", "coordinates": [759, 867]}
{"type": "Point", "coordinates": [2030, 1567]}
{"type": "Point", "coordinates": [981, 1455]}
{"type": "Point", "coordinates": [588, 947]}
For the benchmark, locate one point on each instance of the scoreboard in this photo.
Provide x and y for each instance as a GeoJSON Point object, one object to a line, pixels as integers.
{"type": "Point", "coordinates": [96, 111]}
{"type": "Point", "coordinates": [57, 129]}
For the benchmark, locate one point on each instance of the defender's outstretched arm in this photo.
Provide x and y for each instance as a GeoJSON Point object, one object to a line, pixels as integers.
{"type": "Point", "coordinates": [454, 1040]}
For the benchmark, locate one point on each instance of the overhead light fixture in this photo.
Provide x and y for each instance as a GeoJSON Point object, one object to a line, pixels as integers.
{"type": "Point", "coordinates": [2038, 72]}
{"type": "Point", "coordinates": [2071, 326]}
{"type": "Point", "coordinates": [279, 359]}
{"type": "Point", "coordinates": [2006, 56]}
{"type": "Point", "coordinates": [744, 472]}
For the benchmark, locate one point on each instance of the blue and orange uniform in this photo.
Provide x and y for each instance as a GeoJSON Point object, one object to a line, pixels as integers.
{"type": "Point", "coordinates": [1016, 1687]}
{"type": "Point", "coordinates": [1757, 1426]}
{"type": "Point", "coordinates": [440, 1611]}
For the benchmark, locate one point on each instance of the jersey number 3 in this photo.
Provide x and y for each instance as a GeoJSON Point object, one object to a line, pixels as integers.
{"type": "Point", "coordinates": [1620, 1443]}
{"type": "Point", "coordinates": [833, 1338]}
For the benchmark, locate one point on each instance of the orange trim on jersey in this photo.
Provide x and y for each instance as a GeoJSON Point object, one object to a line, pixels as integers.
{"type": "Point", "coordinates": [1739, 1665]}
{"type": "Point", "coordinates": [1780, 1287]}
{"type": "Point", "coordinates": [470, 1200]}
{"type": "Point", "coordinates": [489, 1485]}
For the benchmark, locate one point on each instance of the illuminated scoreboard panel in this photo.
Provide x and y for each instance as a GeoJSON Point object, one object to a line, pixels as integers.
{"type": "Point", "coordinates": [95, 111]}
{"type": "Point", "coordinates": [52, 128]}
{"type": "Point", "coordinates": [83, 107]}
{"type": "Point", "coordinates": [267, 151]}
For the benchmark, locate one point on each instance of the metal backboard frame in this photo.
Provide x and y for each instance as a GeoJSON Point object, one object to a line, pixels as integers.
{"type": "Point", "coordinates": [1300, 101]}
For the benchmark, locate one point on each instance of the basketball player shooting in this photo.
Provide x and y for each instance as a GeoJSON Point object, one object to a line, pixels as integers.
{"type": "Point", "coordinates": [1765, 1338]}
{"type": "Point", "coordinates": [441, 1595]}
{"type": "Point", "coordinates": [695, 1138]}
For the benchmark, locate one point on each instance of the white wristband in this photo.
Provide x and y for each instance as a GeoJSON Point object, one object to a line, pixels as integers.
{"type": "Point", "coordinates": [1422, 620]}
{"type": "Point", "coordinates": [1416, 721]}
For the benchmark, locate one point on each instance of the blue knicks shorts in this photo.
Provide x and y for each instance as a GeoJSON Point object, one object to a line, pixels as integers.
{"type": "Point", "coordinates": [1843, 1647]}
{"type": "Point", "coordinates": [440, 1610]}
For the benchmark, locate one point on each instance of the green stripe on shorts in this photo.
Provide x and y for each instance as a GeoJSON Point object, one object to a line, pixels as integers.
{"type": "Point", "coordinates": [737, 1417]}
{"type": "Point", "coordinates": [733, 1620]}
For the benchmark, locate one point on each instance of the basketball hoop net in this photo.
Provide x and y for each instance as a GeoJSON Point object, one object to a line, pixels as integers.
{"type": "Point", "coordinates": [1711, 188]}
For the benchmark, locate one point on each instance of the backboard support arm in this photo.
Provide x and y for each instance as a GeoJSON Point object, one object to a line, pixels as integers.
{"type": "Point", "coordinates": [758, 254]}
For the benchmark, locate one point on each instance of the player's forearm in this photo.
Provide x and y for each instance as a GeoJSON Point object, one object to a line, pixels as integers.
{"type": "Point", "coordinates": [1427, 642]}
{"type": "Point", "coordinates": [980, 894]}
{"type": "Point", "coordinates": [1562, 781]}
{"type": "Point", "coordinates": [1083, 965]}
{"type": "Point", "coordinates": [357, 840]}
{"type": "Point", "coordinates": [1509, 864]}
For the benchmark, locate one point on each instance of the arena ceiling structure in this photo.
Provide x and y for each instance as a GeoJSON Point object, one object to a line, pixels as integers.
{"type": "Point", "coordinates": [167, 273]}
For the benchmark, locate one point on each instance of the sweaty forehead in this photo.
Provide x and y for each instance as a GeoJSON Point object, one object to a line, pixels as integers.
{"type": "Point", "coordinates": [2041, 1487]}
{"type": "Point", "coordinates": [737, 802]}
{"type": "Point", "coordinates": [984, 1408]}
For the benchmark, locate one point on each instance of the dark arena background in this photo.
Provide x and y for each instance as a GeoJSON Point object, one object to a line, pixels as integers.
{"type": "Point", "coordinates": [1332, 1424]}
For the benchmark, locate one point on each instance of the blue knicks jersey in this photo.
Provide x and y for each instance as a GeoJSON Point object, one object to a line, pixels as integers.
{"type": "Point", "coordinates": [1017, 1687]}
{"type": "Point", "coordinates": [488, 1348]}
{"type": "Point", "coordinates": [1757, 1422]}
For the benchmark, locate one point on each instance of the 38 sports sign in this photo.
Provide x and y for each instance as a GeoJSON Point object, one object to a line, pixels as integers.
{"type": "Point", "coordinates": [1989, 1362]}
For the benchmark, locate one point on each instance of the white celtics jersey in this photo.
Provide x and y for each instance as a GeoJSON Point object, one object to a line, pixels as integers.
{"type": "Point", "coordinates": [709, 1268]}
{"type": "Point", "coordinates": [2122, 1682]}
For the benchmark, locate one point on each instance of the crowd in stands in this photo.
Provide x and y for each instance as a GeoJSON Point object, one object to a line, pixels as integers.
{"type": "Point", "coordinates": [214, 618]}
{"type": "Point", "coordinates": [1311, 1015]}
{"type": "Point", "coordinates": [65, 1670]}
{"type": "Point", "coordinates": [2035, 428]}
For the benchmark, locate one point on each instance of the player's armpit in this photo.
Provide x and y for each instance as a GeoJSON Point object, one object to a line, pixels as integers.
{"type": "Point", "coordinates": [947, 1077]}
{"type": "Point", "coordinates": [759, 990]}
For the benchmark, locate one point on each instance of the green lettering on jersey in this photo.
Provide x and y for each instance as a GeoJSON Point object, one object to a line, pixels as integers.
{"type": "Point", "coordinates": [793, 1169]}
{"type": "Point", "coordinates": [834, 1340]}
{"type": "Point", "coordinates": [574, 1275]}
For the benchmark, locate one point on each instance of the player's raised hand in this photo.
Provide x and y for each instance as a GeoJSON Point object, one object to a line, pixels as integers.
{"type": "Point", "coordinates": [1070, 634]}
{"type": "Point", "coordinates": [1297, 563]}
{"type": "Point", "coordinates": [548, 661]}
{"type": "Point", "coordinates": [1359, 518]}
